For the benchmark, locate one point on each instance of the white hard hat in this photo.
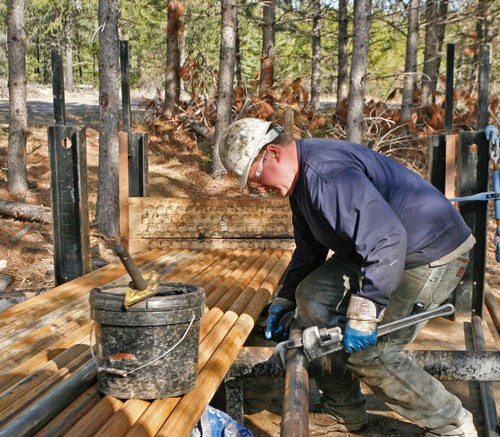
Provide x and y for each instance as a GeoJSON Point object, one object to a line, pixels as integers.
{"type": "Point", "coordinates": [241, 143]}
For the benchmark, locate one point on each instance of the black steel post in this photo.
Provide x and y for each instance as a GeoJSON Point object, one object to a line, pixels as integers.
{"type": "Point", "coordinates": [138, 164]}
{"type": "Point", "coordinates": [484, 85]}
{"type": "Point", "coordinates": [473, 165]}
{"type": "Point", "coordinates": [126, 112]}
{"type": "Point", "coordinates": [450, 55]}
{"type": "Point", "coordinates": [58, 87]}
{"type": "Point", "coordinates": [437, 159]}
{"type": "Point", "coordinates": [68, 165]}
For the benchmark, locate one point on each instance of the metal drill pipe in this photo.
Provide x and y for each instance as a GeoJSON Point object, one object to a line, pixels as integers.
{"type": "Point", "coordinates": [485, 388]}
{"type": "Point", "coordinates": [294, 419]}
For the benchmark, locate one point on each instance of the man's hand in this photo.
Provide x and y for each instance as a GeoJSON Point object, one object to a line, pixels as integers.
{"type": "Point", "coordinates": [361, 330]}
{"type": "Point", "coordinates": [278, 320]}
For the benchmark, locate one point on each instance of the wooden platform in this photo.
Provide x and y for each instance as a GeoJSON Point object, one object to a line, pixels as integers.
{"type": "Point", "coordinates": [46, 341]}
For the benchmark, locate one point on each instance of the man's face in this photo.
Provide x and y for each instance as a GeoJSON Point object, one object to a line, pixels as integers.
{"type": "Point", "coordinates": [271, 173]}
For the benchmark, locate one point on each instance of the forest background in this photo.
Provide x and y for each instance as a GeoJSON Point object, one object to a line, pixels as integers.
{"type": "Point", "coordinates": [200, 64]}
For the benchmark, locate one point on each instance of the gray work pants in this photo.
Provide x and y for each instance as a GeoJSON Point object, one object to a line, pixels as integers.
{"type": "Point", "coordinates": [322, 299]}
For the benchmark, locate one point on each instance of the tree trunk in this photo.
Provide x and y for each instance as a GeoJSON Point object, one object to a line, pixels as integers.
{"type": "Point", "coordinates": [435, 17]}
{"type": "Point", "coordinates": [342, 60]}
{"type": "Point", "coordinates": [410, 78]}
{"type": "Point", "coordinates": [226, 78]}
{"type": "Point", "coordinates": [18, 113]}
{"type": "Point", "coordinates": [69, 82]}
{"type": "Point", "coordinates": [359, 60]}
{"type": "Point", "coordinates": [107, 207]}
{"type": "Point", "coordinates": [316, 57]}
{"type": "Point", "coordinates": [173, 62]}
{"type": "Point", "coordinates": [23, 211]}
{"type": "Point", "coordinates": [268, 47]}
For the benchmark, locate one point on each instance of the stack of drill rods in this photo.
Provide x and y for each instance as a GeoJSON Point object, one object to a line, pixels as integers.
{"type": "Point", "coordinates": [58, 315]}
{"type": "Point", "coordinates": [51, 366]}
{"type": "Point", "coordinates": [60, 425]}
{"type": "Point", "coordinates": [48, 367]}
{"type": "Point", "coordinates": [205, 279]}
{"type": "Point", "coordinates": [43, 373]}
{"type": "Point", "coordinates": [215, 328]}
{"type": "Point", "coordinates": [44, 309]}
{"type": "Point", "coordinates": [31, 309]}
{"type": "Point", "coordinates": [191, 406]}
{"type": "Point", "coordinates": [235, 260]}
{"type": "Point", "coordinates": [212, 370]}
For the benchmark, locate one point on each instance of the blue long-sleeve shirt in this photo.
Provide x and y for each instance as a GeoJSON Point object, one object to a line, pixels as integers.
{"type": "Point", "coordinates": [366, 206]}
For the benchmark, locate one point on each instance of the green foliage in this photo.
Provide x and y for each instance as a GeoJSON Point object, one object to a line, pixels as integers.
{"type": "Point", "coordinates": [56, 23]}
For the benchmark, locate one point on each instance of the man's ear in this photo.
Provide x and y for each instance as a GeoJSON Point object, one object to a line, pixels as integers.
{"type": "Point", "coordinates": [273, 151]}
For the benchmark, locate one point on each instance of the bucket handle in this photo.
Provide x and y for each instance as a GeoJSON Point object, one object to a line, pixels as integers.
{"type": "Point", "coordinates": [125, 373]}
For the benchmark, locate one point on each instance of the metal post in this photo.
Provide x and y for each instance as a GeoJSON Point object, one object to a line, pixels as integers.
{"type": "Point", "coordinates": [68, 164]}
{"type": "Point", "coordinates": [437, 167]}
{"type": "Point", "coordinates": [484, 84]}
{"type": "Point", "coordinates": [58, 87]}
{"type": "Point", "coordinates": [450, 54]}
{"type": "Point", "coordinates": [473, 164]}
{"type": "Point", "coordinates": [138, 164]}
{"type": "Point", "coordinates": [125, 86]}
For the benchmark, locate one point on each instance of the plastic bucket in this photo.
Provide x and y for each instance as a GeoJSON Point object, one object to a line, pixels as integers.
{"type": "Point", "coordinates": [149, 351]}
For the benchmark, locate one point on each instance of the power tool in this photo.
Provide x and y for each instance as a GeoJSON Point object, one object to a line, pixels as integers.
{"type": "Point", "coordinates": [316, 342]}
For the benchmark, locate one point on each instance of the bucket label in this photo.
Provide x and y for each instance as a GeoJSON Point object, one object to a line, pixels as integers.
{"type": "Point", "coordinates": [121, 357]}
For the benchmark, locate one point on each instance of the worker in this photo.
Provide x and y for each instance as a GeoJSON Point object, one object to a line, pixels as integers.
{"type": "Point", "coordinates": [373, 240]}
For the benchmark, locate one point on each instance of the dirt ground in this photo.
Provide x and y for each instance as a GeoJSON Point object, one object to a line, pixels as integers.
{"type": "Point", "coordinates": [177, 167]}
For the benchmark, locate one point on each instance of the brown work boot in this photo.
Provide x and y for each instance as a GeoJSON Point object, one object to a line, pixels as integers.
{"type": "Point", "coordinates": [324, 424]}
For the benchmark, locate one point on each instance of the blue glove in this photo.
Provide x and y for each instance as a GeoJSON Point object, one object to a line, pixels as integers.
{"type": "Point", "coordinates": [355, 340]}
{"type": "Point", "coordinates": [278, 320]}
{"type": "Point", "coordinates": [361, 329]}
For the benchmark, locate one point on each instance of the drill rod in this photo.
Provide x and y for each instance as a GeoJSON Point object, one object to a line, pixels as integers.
{"type": "Point", "coordinates": [294, 419]}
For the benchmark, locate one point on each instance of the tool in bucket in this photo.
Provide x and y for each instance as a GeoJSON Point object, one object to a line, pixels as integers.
{"type": "Point", "coordinates": [141, 287]}
{"type": "Point", "coordinates": [316, 342]}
